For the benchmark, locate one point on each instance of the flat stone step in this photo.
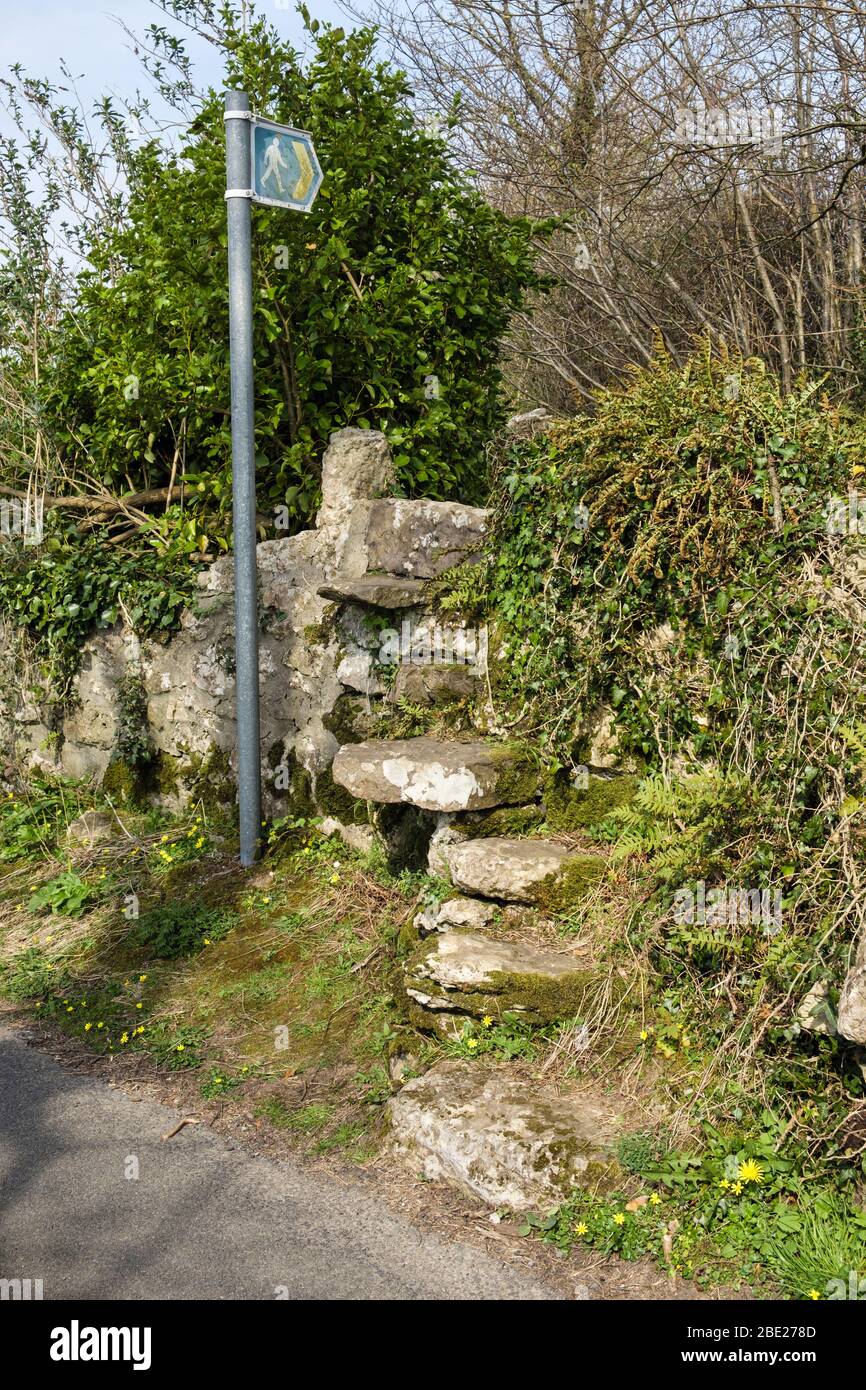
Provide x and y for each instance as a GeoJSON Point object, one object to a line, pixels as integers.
{"type": "Point", "coordinates": [462, 973]}
{"type": "Point", "coordinates": [455, 912]}
{"type": "Point", "coordinates": [436, 775]}
{"type": "Point", "coordinates": [522, 871]}
{"type": "Point", "coordinates": [375, 591]}
{"type": "Point", "coordinates": [509, 1142]}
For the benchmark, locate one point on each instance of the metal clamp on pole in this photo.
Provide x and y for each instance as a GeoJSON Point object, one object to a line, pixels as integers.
{"type": "Point", "coordinates": [238, 141]}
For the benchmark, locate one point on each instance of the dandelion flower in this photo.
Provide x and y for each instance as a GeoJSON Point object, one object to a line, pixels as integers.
{"type": "Point", "coordinates": [750, 1171]}
{"type": "Point", "coordinates": [619, 1219]}
{"type": "Point", "coordinates": [655, 1200]}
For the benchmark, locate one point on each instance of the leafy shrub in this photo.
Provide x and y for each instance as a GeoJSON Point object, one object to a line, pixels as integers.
{"type": "Point", "coordinates": [180, 929]}
{"type": "Point", "coordinates": [401, 274]}
{"type": "Point", "coordinates": [66, 895]}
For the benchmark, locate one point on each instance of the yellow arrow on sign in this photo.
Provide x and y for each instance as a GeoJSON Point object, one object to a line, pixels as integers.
{"type": "Point", "coordinates": [302, 187]}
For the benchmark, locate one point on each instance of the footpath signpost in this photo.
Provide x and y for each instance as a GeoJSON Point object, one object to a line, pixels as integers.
{"type": "Point", "coordinates": [275, 165]}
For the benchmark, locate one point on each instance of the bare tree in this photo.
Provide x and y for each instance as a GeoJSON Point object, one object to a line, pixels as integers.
{"type": "Point", "coordinates": [742, 220]}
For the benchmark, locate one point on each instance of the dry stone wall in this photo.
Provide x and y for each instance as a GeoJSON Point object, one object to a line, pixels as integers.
{"type": "Point", "coordinates": [369, 553]}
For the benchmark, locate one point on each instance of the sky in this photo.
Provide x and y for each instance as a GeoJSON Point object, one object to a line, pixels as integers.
{"type": "Point", "coordinates": [87, 34]}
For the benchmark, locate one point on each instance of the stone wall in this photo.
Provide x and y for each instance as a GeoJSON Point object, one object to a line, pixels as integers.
{"type": "Point", "coordinates": [369, 554]}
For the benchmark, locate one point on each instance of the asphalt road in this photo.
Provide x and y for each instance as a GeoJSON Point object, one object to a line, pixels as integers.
{"type": "Point", "coordinates": [203, 1219]}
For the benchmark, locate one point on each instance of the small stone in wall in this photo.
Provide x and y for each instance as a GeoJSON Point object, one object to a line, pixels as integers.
{"type": "Point", "coordinates": [815, 1014]}
{"type": "Point", "coordinates": [92, 828]}
{"type": "Point", "coordinates": [851, 1018]}
{"type": "Point", "coordinates": [455, 912]}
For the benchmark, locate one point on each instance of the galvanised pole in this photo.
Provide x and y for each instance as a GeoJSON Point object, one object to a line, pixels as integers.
{"type": "Point", "coordinates": [238, 198]}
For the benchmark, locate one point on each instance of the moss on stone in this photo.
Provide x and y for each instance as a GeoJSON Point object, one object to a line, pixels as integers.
{"type": "Point", "coordinates": [163, 775]}
{"type": "Point", "coordinates": [319, 634]}
{"type": "Point", "coordinates": [335, 800]}
{"type": "Point", "coordinates": [507, 822]}
{"type": "Point", "coordinates": [350, 720]}
{"type": "Point", "coordinates": [122, 783]}
{"type": "Point", "coordinates": [564, 889]}
{"type": "Point", "coordinates": [208, 778]}
{"type": "Point", "coordinates": [517, 773]}
{"type": "Point", "coordinates": [569, 808]}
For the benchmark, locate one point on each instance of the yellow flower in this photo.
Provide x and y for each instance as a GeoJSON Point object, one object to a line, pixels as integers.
{"type": "Point", "coordinates": [737, 1188]}
{"type": "Point", "coordinates": [199, 842]}
{"type": "Point", "coordinates": [244, 1070]}
{"type": "Point", "coordinates": [206, 941]}
{"type": "Point", "coordinates": [335, 878]}
{"type": "Point", "coordinates": [266, 899]}
{"type": "Point", "coordinates": [487, 1021]}
{"type": "Point", "coordinates": [750, 1171]}
{"type": "Point", "coordinates": [87, 1027]}
{"type": "Point", "coordinates": [655, 1200]}
{"type": "Point", "coordinates": [217, 1081]}
{"type": "Point", "coordinates": [124, 1037]}
{"type": "Point", "coordinates": [164, 840]}
{"type": "Point", "coordinates": [472, 1043]}
{"type": "Point", "coordinates": [619, 1219]}
{"type": "Point", "coordinates": [643, 1035]}
{"type": "Point", "coordinates": [100, 1025]}
{"type": "Point", "coordinates": [724, 1184]}
{"type": "Point", "coordinates": [180, 1048]}
{"type": "Point", "coordinates": [70, 1010]}
{"type": "Point", "coordinates": [141, 979]}
{"type": "Point", "coordinates": [581, 1228]}
{"type": "Point", "coordinates": [814, 1295]}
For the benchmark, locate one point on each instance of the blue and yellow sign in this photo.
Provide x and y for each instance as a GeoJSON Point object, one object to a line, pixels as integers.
{"type": "Point", "coordinates": [285, 172]}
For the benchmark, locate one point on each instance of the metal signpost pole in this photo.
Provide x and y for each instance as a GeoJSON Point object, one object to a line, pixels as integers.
{"type": "Point", "coordinates": [238, 199]}
{"type": "Point", "coordinates": [275, 165]}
